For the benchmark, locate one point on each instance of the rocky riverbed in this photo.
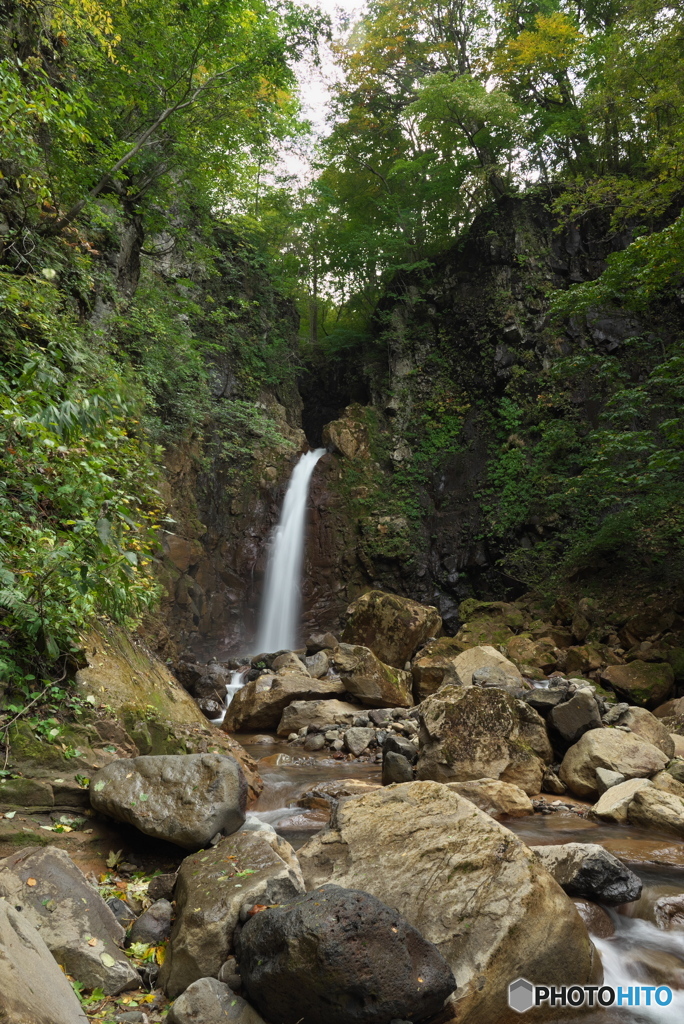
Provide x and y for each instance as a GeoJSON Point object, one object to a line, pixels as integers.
{"type": "Point", "coordinates": [389, 826]}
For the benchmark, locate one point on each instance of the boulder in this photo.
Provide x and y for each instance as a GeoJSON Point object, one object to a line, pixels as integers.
{"type": "Point", "coordinates": [213, 885]}
{"type": "Point", "coordinates": [484, 657]}
{"type": "Point", "coordinates": [535, 658]}
{"type": "Point", "coordinates": [400, 745]}
{"type": "Point", "coordinates": [369, 680]}
{"type": "Point", "coordinates": [473, 733]}
{"type": "Point", "coordinates": [608, 748]}
{"type": "Point", "coordinates": [57, 901]}
{"type": "Point", "coordinates": [488, 622]}
{"type": "Point", "coordinates": [544, 701]}
{"type": "Point", "coordinates": [358, 739]}
{"type": "Point", "coordinates": [208, 1001]}
{"type": "Point", "coordinates": [645, 683]}
{"type": "Point", "coordinates": [317, 714]}
{"type": "Point", "coordinates": [288, 661]}
{"type": "Point", "coordinates": [666, 782]}
{"type": "Point", "coordinates": [323, 795]}
{"type": "Point", "coordinates": [468, 884]}
{"type": "Point", "coordinates": [580, 660]}
{"type": "Point", "coordinates": [153, 926]}
{"type": "Point", "coordinates": [498, 675]}
{"type": "Point", "coordinates": [34, 989]}
{"type": "Point", "coordinates": [657, 809]}
{"type": "Point", "coordinates": [183, 798]}
{"type": "Point", "coordinates": [598, 921]}
{"type": "Point", "coordinates": [647, 727]}
{"type": "Point", "coordinates": [340, 956]}
{"type": "Point", "coordinates": [614, 803]}
{"type": "Point", "coordinates": [392, 627]}
{"type": "Point", "coordinates": [670, 708]}
{"type": "Point", "coordinates": [669, 913]}
{"type": "Point", "coordinates": [496, 798]}
{"type": "Point", "coordinates": [261, 703]}
{"type": "Point", "coordinates": [606, 779]}
{"type": "Point", "coordinates": [396, 768]}
{"type": "Point", "coordinates": [161, 887]}
{"type": "Point", "coordinates": [576, 716]}
{"type": "Point", "coordinates": [433, 666]}
{"type": "Point", "coordinates": [589, 871]}
{"type": "Point", "coordinates": [318, 664]}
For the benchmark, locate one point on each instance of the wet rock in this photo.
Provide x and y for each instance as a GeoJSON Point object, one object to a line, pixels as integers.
{"type": "Point", "coordinates": [599, 923]}
{"type": "Point", "coordinates": [250, 867]}
{"type": "Point", "coordinates": [669, 913]}
{"type": "Point", "coordinates": [319, 714]}
{"type": "Point", "coordinates": [67, 912]}
{"type": "Point", "coordinates": [34, 989]}
{"type": "Point", "coordinates": [645, 683]}
{"type": "Point", "coordinates": [586, 869]}
{"type": "Point", "coordinates": [496, 798]}
{"type": "Point", "coordinates": [392, 627]}
{"type": "Point", "coordinates": [324, 795]}
{"type": "Point", "coordinates": [612, 749]}
{"type": "Point", "coordinates": [318, 665]}
{"type": "Point", "coordinates": [211, 709]}
{"type": "Point", "coordinates": [261, 703]}
{"type": "Point", "coordinates": [183, 798]}
{"type": "Point", "coordinates": [154, 924]}
{"type": "Point", "coordinates": [315, 741]}
{"type": "Point", "coordinates": [340, 956]}
{"type": "Point", "coordinates": [369, 680]}
{"type": "Point", "coordinates": [646, 726]}
{"type": "Point", "coordinates": [357, 739]}
{"type": "Point", "coordinates": [606, 779]}
{"type": "Point", "coordinates": [657, 809]}
{"type": "Point", "coordinates": [208, 1001]}
{"type": "Point", "coordinates": [396, 768]}
{"type": "Point", "coordinates": [399, 745]}
{"type": "Point", "coordinates": [471, 733]}
{"type": "Point", "coordinates": [488, 899]}
{"type": "Point", "coordinates": [614, 803]}
{"type": "Point", "coordinates": [576, 716]}
{"type": "Point", "coordinates": [161, 887]}
{"type": "Point", "coordinates": [484, 657]}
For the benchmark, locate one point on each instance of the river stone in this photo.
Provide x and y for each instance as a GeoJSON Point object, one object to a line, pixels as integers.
{"type": "Point", "coordinates": [247, 868]}
{"type": "Point", "coordinates": [473, 733]}
{"type": "Point", "coordinates": [261, 703]}
{"type": "Point", "coordinates": [433, 666]}
{"type": "Point", "coordinates": [669, 913]}
{"type": "Point", "coordinates": [392, 627]}
{"type": "Point", "coordinates": [606, 779]}
{"type": "Point", "coordinates": [315, 741]}
{"type": "Point", "coordinates": [369, 680]}
{"type": "Point", "coordinates": [34, 989]}
{"type": "Point", "coordinates": [183, 798]}
{"type": "Point", "coordinates": [645, 683]}
{"type": "Point", "coordinates": [465, 882]}
{"type": "Point", "coordinates": [543, 701]}
{"type": "Point", "coordinates": [357, 739]}
{"type": "Point", "coordinates": [68, 913]}
{"type": "Point", "coordinates": [665, 781]}
{"type": "Point", "coordinates": [323, 795]}
{"type": "Point", "coordinates": [647, 727]}
{"type": "Point", "coordinates": [656, 809]}
{"type": "Point", "coordinates": [395, 768]}
{"type": "Point", "coordinates": [340, 956]}
{"type": "Point", "coordinates": [400, 745]}
{"type": "Point", "coordinates": [576, 716]}
{"type": "Point", "coordinates": [586, 869]}
{"type": "Point", "coordinates": [598, 921]}
{"type": "Point", "coordinates": [320, 714]}
{"type": "Point", "coordinates": [612, 749]}
{"type": "Point", "coordinates": [208, 1001]}
{"type": "Point", "coordinates": [614, 803]}
{"type": "Point", "coordinates": [483, 657]}
{"type": "Point", "coordinates": [153, 926]}
{"type": "Point", "coordinates": [494, 797]}
{"type": "Point", "coordinates": [318, 664]}
{"type": "Point", "coordinates": [670, 708]}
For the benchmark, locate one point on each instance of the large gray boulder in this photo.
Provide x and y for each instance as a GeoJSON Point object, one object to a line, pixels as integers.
{"type": "Point", "coordinates": [58, 902]}
{"type": "Point", "coordinates": [247, 868]}
{"type": "Point", "coordinates": [260, 704]}
{"type": "Point", "coordinates": [574, 717]}
{"type": "Point", "coordinates": [209, 1001]}
{"type": "Point", "coordinates": [656, 809]}
{"type": "Point", "coordinates": [586, 869]}
{"type": "Point", "coordinates": [467, 884]}
{"type": "Point", "coordinates": [371, 681]}
{"type": "Point", "coordinates": [477, 659]}
{"type": "Point", "coordinates": [340, 956]}
{"type": "Point", "coordinates": [33, 989]}
{"type": "Point", "coordinates": [393, 627]}
{"type": "Point", "coordinates": [612, 749]}
{"type": "Point", "coordinates": [321, 714]}
{"type": "Point", "coordinates": [183, 798]}
{"type": "Point", "coordinates": [644, 726]}
{"type": "Point", "coordinates": [473, 733]}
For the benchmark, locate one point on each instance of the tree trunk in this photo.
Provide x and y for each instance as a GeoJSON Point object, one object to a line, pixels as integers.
{"type": "Point", "coordinates": [128, 260]}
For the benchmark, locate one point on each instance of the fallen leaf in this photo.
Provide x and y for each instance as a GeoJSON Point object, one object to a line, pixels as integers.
{"type": "Point", "coordinates": [92, 942]}
{"type": "Point", "coordinates": [130, 775]}
{"type": "Point", "coordinates": [10, 814]}
{"type": "Point", "coordinates": [107, 960]}
{"type": "Point", "coordinates": [257, 908]}
{"type": "Point", "coordinates": [31, 881]}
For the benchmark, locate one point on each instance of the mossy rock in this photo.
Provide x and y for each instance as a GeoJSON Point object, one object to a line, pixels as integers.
{"type": "Point", "coordinates": [506, 614]}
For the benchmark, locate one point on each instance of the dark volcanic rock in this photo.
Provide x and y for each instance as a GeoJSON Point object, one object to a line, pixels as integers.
{"type": "Point", "coordinates": [340, 956]}
{"type": "Point", "coordinates": [154, 925]}
{"type": "Point", "coordinates": [589, 871]}
{"type": "Point", "coordinates": [396, 768]}
{"type": "Point", "coordinates": [399, 745]}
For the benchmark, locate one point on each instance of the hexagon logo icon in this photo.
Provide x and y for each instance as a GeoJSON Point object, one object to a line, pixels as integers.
{"type": "Point", "coordinates": [521, 995]}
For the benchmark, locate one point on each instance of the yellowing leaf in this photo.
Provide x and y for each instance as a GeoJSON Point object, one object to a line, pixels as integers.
{"type": "Point", "coordinates": [31, 881]}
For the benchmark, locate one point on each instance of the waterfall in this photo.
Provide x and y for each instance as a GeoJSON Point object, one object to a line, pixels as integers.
{"type": "Point", "coordinates": [279, 615]}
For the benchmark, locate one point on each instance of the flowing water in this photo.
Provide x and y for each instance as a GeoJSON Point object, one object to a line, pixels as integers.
{"type": "Point", "coordinates": [278, 620]}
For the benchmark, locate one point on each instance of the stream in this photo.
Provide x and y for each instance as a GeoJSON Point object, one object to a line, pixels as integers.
{"type": "Point", "coordinates": [638, 953]}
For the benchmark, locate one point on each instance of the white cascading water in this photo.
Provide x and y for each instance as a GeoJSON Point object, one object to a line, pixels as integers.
{"type": "Point", "coordinates": [282, 589]}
